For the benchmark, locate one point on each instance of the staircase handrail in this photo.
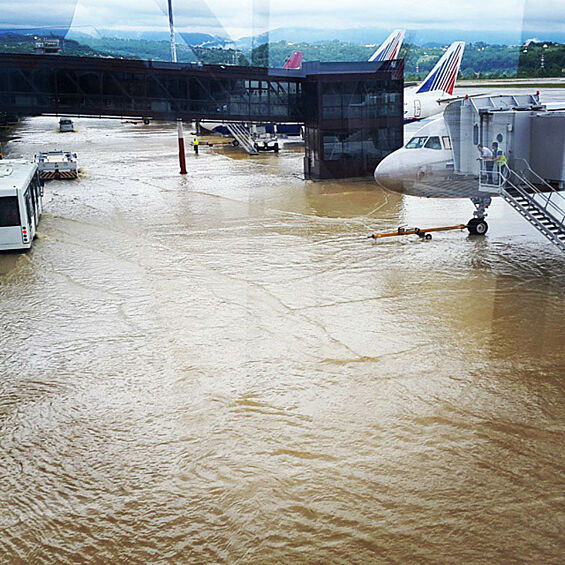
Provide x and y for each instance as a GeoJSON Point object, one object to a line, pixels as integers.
{"type": "Point", "coordinates": [243, 136]}
{"type": "Point", "coordinates": [541, 179]}
{"type": "Point", "coordinates": [556, 213]}
{"type": "Point", "coordinates": [531, 218]}
{"type": "Point", "coordinates": [550, 190]}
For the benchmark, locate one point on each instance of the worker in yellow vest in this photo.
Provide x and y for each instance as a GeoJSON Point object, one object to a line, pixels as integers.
{"type": "Point", "coordinates": [195, 144]}
{"type": "Point", "coordinates": [499, 157]}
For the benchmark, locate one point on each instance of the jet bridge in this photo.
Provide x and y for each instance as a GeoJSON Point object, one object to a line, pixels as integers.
{"type": "Point", "coordinates": [352, 112]}
{"type": "Point", "coordinates": [523, 128]}
{"type": "Point", "coordinates": [533, 140]}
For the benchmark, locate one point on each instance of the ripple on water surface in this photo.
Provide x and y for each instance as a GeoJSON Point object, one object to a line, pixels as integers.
{"type": "Point", "coordinates": [222, 368]}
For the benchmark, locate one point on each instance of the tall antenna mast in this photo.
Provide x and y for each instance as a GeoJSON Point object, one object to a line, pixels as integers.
{"type": "Point", "coordinates": [180, 130]}
{"type": "Point", "coordinates": [172, 29]}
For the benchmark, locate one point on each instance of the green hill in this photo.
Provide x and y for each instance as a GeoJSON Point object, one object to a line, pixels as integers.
{"type": "Point", "coordinates": [480, 60]}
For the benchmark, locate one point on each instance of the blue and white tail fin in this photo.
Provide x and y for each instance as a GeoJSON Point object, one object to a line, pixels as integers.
{"type": "Point", "coordinates": [444, 75]}
{"type": "Point", "coordinates": [390, 48]}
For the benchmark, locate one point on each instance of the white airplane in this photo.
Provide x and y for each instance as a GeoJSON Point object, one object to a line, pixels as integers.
{"type": "Point", "coordinates": [390, 48]}
{"type": "Point", "coordinates": [425, 167]}
{"type": "Point", "coordinates": [436, 91]}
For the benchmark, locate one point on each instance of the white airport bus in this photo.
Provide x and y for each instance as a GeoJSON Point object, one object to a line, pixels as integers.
{"type": "Point", "coordinates": [21, 204]}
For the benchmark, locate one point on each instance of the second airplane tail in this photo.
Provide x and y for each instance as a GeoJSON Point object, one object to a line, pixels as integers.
{"type": "Point", "coordinates": [390, 48]}
{"type": "Point", "coordinates": [294, 61]}
{"type": "Point", "coordinates": [444, 75]}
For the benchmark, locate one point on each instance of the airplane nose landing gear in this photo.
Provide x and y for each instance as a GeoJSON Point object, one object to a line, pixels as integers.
{"type": "Point", "coordinates": [477, 225]}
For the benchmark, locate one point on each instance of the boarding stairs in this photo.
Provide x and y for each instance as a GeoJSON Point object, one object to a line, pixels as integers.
{"type": "Point", "coordinates": [244, 138]}
{"type": "Point", "coordinates": [532, 197]}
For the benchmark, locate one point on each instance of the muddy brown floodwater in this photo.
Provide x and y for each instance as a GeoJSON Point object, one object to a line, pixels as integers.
{"type": "Point", "coordinates": [221, 368]}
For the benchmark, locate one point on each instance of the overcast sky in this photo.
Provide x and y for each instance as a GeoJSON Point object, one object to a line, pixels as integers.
{"type": "Point", "coordinates": [236, 18]}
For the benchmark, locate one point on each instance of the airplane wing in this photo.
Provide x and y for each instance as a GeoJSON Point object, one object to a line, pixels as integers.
{"type": "Point", "coordinates": [455, 98]}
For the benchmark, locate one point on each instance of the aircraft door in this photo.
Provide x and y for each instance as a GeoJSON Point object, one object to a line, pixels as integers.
{"type": "Point", "coordinates": [497, 127]}
{"type": "Point", "coordinates": [417, 109]}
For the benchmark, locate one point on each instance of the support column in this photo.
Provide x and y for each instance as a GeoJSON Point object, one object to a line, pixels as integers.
{"type": "Point", "coordinates": [182, 154]}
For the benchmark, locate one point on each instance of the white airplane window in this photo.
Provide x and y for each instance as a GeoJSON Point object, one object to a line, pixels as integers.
{"type": "Point", "coordinates": [446, 142]}
{"type": "Point", "coordinates": [433, 143]}
{"type": "Point", "coordinates": [416, 143]}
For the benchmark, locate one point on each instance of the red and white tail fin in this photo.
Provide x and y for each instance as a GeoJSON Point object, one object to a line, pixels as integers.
{"type": "Point", "coordinates": [390, 48]}
{"type": "Point", "coordinates": [294, 61]}
{"type": "Point", "coordinates": [444, 75]}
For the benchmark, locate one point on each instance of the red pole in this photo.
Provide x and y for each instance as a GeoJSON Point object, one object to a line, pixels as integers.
{"type": "Point", "coordinates": [182, 156]}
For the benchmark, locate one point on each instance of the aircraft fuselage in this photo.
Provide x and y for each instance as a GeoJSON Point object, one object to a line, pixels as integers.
{"type": "Point", "coordinates": [419, 106]}
{"type": "Point", "coordinates": [425, 167]}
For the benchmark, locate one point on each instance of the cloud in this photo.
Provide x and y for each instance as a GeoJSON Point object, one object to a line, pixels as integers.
{"type": "Point", "coordinates": [246, 17]}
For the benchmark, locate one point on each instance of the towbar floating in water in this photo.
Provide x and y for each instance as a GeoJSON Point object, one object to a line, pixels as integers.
{"type": "Point", "coordinates": [422, 233]}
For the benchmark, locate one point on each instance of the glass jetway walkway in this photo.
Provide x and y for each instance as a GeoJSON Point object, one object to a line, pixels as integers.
{"type": "Point", "coordinates": [353, 112]}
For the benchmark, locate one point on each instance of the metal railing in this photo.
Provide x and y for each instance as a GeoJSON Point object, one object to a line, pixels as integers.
{"type": "Point", "coordinates": [495, 178]}
{"type": "Point", "coordinates": [534, 204]}
{"type": "Point", "coordinates": [529, 194]}
{"type": "Point", "coordinates": [491, 176]}
{"type": "Point", "coordinates": [243, 136]}
{"type": "Point", "coordinates": [553, 200]}
{"type": "Point", "coordinates": [552, 232]}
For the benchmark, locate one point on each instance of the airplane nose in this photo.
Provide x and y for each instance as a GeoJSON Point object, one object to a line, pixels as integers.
{"type": "Point", "coordinates": [387, 174]}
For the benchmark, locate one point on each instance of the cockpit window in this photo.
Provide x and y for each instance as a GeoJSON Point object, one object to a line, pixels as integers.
{"type": "Point", "coordinates": [433, 143]}
{"type": "Point", "coordinates": [416, 143]}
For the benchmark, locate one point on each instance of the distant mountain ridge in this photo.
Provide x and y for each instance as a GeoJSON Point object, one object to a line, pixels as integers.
{"type": "Point", "coordinates": [357, 36]}
{"type": "Point", "coordinates": [192, 39]}
{"type": "Point", "coordinates": [372, 35]}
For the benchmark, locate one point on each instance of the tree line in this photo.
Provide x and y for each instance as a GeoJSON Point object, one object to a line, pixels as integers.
{"type": "Point", "coordinates": [480, 60]}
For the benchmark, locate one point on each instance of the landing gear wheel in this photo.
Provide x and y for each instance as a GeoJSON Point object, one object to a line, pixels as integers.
{"type": "Point", "coordinates": [428, 236]}
{"type": "Point", "coordinates": [477, 226]}
{"type": "Point", "coordinates": [235, 142]}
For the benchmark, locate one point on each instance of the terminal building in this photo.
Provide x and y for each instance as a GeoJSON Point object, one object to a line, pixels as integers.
{"type": "Point", "coordinates": [47, 45]}
{"type": "Point", "coordinates": [352, 120]}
